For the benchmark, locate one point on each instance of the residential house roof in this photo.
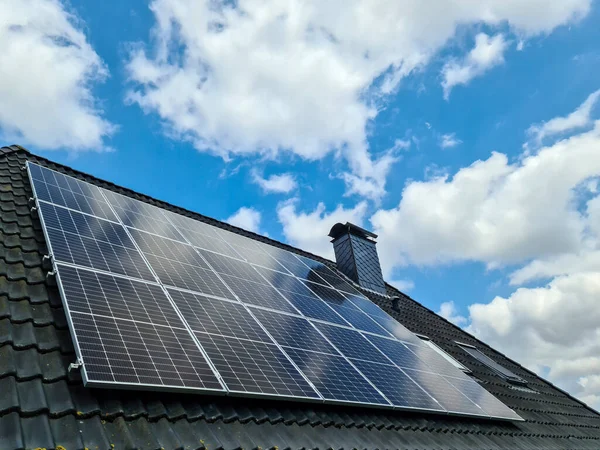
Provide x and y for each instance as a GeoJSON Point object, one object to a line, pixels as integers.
{"type": "Point", "coordinates": [43, 405]}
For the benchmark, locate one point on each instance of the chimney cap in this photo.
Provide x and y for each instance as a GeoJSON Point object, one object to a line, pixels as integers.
{"type": "Point", "coordinates": [349, 228]}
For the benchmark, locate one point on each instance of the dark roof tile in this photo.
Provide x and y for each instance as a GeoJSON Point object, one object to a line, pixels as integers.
{"type": "Point", "coordinates": [43, 403]}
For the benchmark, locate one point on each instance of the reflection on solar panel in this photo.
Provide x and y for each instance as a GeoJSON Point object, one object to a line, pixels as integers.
{"type": "Point", "coordinates": [159, 300]}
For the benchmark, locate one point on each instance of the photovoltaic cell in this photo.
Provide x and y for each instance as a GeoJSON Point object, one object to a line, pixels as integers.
{"type": "Point", "coordinates": [66, 191]}
{"type": "Point", "coordinates": [140, 215]}
{"type": "Point", "coordinates": [231, 266]}
{"type": "Point", "coordinates": [285, 282]}
{"type": "Point", "coordinates": [482, 398]}
{"type": "Point", "coordinates": [360, 320]}
{"type": "Point", "coordinates": [314, 308]}
{"type": "Point", "coordinates": [351, 343]}
{"type": "Point", "coordinates": [123, 351]}
{"type": "Point", "coordinates": [166, 248]}
{"type": "Point", "coordinates": [436, 362]}
{"type": "Point", "coordinates": [258, 294]}
{"type": "Point", "coordinates": [446, 394]}
{"type": "Point", "coordinates": [397, 386]}
{"type": "Point", "coordinates": [399, 353]}
{"type": "Point", "coordinates": [335, 378]}
{"type": "Point", "coordinates": [92, 242]}
{"type": "Point", "coordinates": [97, 293]}
{"type": "Point", "coordinates": [254, 367]}
{"type": "Point", "coordinates": [397, 330]}
{"type": "Point", "coordinates": [366, 305]}
{"type": "Point", "coordinates": [211, 243]}
{"type": "Point", "coordinates": [186, 276]}
{"type": "Point", "coordinates": [208, 315]}
{"type": "Point", "coordinates": [293, 331]}
{"type": "Point", "coordinates": [330, 295]}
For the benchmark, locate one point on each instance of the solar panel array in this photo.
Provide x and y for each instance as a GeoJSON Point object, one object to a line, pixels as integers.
{"type": "Point", "coordinates": [158, 300]}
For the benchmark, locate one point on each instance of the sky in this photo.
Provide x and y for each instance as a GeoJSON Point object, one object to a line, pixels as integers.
{"type": "Point", "coordinates": [465, 133]}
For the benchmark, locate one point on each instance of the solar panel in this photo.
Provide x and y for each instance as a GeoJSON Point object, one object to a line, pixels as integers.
{"type": "Point", "coordinates": [91, 242]}
{"type": "Point", "coordinates": [158, 300]}
{"type": "Point", "coordinates": [292, 331]}
{"type": "Point", "coordinates": [335, 378]}
{"type": "Point", "coordinates": [142, 216]}
{"type": "Point", "coordinates": [400, 389]}
{"type": "Point", "coordinates": [213, 316]}
{"type": "Point", "coordinates": [255, 367]}
{"type": "Point", "coordinates": [75, 194]}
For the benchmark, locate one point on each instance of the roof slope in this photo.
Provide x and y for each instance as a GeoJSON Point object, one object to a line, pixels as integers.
{"type": "Point", "coordinates": [43, 406]}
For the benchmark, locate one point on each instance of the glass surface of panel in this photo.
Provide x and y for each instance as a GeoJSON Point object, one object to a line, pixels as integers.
{"type": "Point", "coordinates": [254, 367]}
{"type": "Point", "coordinates": [101, 294]}
{"type": "Point", "coordinates": [123, 351]}
{"type": "Point", "coordinates": [142, 216]}
{"type": "Point", "coordinates": [187, 276]}
{"type": "Point", "coordinates": [92, 242]}
{"type": "Point", "coordinates": [397, 386]}
{"type": "Point", "coordinates": [482, 398]}
{"type": "Point", "coordinates": [166, 248]}
{"type": "Point", "coordinates": [360, 320]}
{"type": "Point", "coordinates": [335, 378]}
{"type": "Point", "coordinates": [213, 316]}
{"type": "Point", "coordinates": [351, 344]}
{"type": "Point", "coordinates": [397, 330]}
{"type": "Point", "coordinates": [314, 308]}
{"type": "Point", "coordinates": [54, 187]}
{"type": "Point", "coordinates": [446, 394]}
{"type": "Point", "coordinates": [233, 267]}
{"type": "Point", "coordinates": [258, 294]}
{"type": "Point", "coordinates": [293, 331]}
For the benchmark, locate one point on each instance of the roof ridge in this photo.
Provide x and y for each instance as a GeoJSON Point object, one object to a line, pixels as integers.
{"type": "Point", "coordinates": [12, 148]}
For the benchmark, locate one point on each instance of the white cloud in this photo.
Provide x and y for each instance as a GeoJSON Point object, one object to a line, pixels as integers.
{"type": "Point", "coordinates": [449, 312]}
{"type": "Point", "coordinates": [487, 53]}
{"type": "Point", "coordinates": [46, 76]}
{"type": "Point", "coordinates": [402, 285]}
{"type": "Point", "coordinates": [246, 218]}
{"type": "Point", "coordinates": [494, 211]}
{"type": "Point", "coordinates": [579, 118]}
{"type": "Point", "coordinates": [449, 140]}
{"type": "Point", "coordinates": [264, 77]}
{"type": "Point", "coordinates": [309, 230]}
{"type": "Point", "coordinates": [552, 329]}
{"type": "Point", "coordinates": [275, 184]}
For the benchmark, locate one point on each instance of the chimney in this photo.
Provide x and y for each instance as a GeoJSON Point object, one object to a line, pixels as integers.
{"type": "Point", "coordinates": [356, 255]}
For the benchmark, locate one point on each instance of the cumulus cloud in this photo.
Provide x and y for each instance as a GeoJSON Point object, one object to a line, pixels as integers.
{"type": "Point", "coordinates": [275, 184]}
{"type": "Point", "coordinates": [487, 53]}
{"type": "Point", "coordinates": [579, 118]}
{"type": "Point", "coordinates": [246, 218]}
{"type": "Point", "coordinates": [449, 140]}
{"type": "Point", "coordinates": [47, 73]}
{"type": "Point", "coordinates": [552, 329]}
{"type": "Point", "coordinates": [309, 230]}
{"type": "Point", "coordinates": [494, 211]}
{"type": "Point", "coordinates": [306, 77]}
{"type": "Point", "coordinates": [449, 312]}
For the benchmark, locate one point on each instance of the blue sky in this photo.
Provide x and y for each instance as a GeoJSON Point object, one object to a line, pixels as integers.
{"type": "Point", "coordinates": [369, 116]}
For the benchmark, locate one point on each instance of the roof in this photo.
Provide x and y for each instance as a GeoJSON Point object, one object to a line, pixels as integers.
{"type": "Point", "coordinates": [44, 406]}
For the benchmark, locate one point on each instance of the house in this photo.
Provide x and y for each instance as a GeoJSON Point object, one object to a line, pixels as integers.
{"type": "Point", "coordinates": [43, 403]}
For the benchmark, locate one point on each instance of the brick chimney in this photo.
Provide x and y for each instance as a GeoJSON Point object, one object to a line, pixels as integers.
{"type": "Point", "coordinates": [356, 255]}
